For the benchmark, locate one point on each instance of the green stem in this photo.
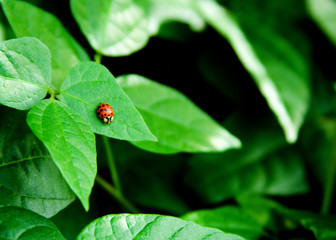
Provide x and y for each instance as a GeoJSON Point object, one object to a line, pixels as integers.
{"type": "Point", "coordinates": [330, 181]}
{"type": "Point", "coordinates": [111, 164]}
{"type": "Point", "coordinates": [97, 58]}
{"type": "Point", "coordinates": [116, 194]}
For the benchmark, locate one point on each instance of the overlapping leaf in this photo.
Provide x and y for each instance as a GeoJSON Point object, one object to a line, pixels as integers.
{"type": "Point", "coordinates": [24, 72]}
{"type": "Point", "coordinates": [90, 84]}
{"type": "Point", "coordinates": [179, 125]}
{"type": "Point", "coordinates": [113, 27]}
{"type": "Point", "coordinates": [228, 219]}
{"type": "Point", "coordinates": [28, 176]}
{"type": "Point", "coordinates": [323, 226]}
{"type": "Point", "coordinates": [149, 226]}
{"type": "Point", "coordinates": [18, 223]}
{"type": "Point", "coordinates": [71, 144]}
{"type": "Point", "coordinates": [255, 168]}
{"type": "Point", "coordinates": [324, 14]}
{"type": "Point", "coordinates": [28, 20]}
{"type": "Point", "coordinates": [119, 28]}
{"type": "Point", "coordinates": [279, 71]}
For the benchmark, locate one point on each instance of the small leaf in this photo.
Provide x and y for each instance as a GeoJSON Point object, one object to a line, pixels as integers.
{"type": "Point", "coordinates": [71, 144]}
{"type": "Point", "coordinates": [18, 223]}
{"type": "Point", "coordinates": [283, 83]}
{"type": "Point", "coordinates": [113, 28]}
{"type": "Point", "coordinates": [228, 219]}
{"type": "Point", "coordinates": [24, 73]}
{"type": "Point", "coordinates": [149, 226]}
{"type": "Point", "coordinates": [90, 84]}
{"type": "Point", "coordinates": [179, 124]}
{"type": "Point", "coordinates": [324, 14]}
{"type": "Point", "coordinates": [28, 20]}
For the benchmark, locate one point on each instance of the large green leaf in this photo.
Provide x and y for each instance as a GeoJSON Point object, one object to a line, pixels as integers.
{"type": "Point", "coordinates": [119, 28]}
{"type": "Point", "coordinates": [28, 20]}
{"type": "Point", "coordinates": [28, 176]}
{"type": "Point", "coordinates": [179, 124]}
{"type": "Point", "coordinates": [18, 223]}
{"type": "Point", "coordinates": [24, 73]}
{"type": "Point", "coordinates": [228, 219]}
{"type": "Point", "coordinates": [90, 84]}
{"type": "Point", "coordinates": [324, 14]}
{"type": "Point", "coordinates": [278, 69]}
{"type": "Point", "coordinates": [150, 226]}
{"type": "Point", "coordinates": [113, 27]}
{"type": "Point", "coordinates": [71, 144]}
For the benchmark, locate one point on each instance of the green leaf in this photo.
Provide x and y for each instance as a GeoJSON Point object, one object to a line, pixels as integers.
{"type": "Point", "coordinates": [24, 73]}
{"type": "Point", "coordinates": [279, 175]}
{"type": "Point", "coordinates": [28, 20]}
{"type": "Point", "coordinates": [2, 32]}
{"type": "Point", "coordinates": [255, 168]}
{"type": "Point", "coordinates": [323, 13]}
{"type": "Point", "coordinates": [90, 84]}
{"type": "Point", "coordinates": [278, 69]}
{"type": "Point", "coordinates": [71, 144]}
{"type": "Point", "coordinates": [28, 176]}
{"type": "Point", "coordinates": [149, 226]}
{"type": "Point", "coordinates": [323, 226]}
{"type": "Point", "coordinates": [179, 124]}
{"type": "Point", "coordinates": [175, 10]}
{"type": "Point", "coordinates": [113, 28]}
{"type": "Point", "coordinates": [228, 219]}
{"type": "Point", "coordinates": [17, 223]}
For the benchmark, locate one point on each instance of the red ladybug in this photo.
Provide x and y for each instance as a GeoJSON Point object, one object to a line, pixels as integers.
{"type": "Point", "coordinates": [105, 113]}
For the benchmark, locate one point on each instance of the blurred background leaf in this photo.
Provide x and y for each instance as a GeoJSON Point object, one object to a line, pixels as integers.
{"type": "Point", "coordinates": [323, 12]}
{"type": "Point", "coordinates": [229, 219]}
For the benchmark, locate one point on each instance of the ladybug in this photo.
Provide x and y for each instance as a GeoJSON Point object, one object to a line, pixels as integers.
{"type": "Point", "coordinates": [105, 113]}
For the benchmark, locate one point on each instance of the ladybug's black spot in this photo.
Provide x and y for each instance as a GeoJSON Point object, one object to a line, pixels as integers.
{"type": "Point", "coordinates": [105, 110]}
{"type": "Point", "coordinates": [103, 105]}
{"type": "Point", "coordinates": [101, 110]}
{"type": "Point", "coordinates": [105, 114]}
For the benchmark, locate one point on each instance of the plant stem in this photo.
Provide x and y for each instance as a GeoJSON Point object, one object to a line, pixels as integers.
{"type": "Point", "coordinates": [97, 58]}
{"type": "Point", "coordinates": [111, 164]}
{"type": "Point", "coordinates": [330, 181]}
{"type": "Point", "coordinates": [329, 128]}
{"type": "Point", "coordinates": [116, 194]}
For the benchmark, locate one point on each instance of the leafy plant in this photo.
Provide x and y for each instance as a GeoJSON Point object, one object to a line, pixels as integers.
{"type": "Point", "coordinates": [224, 119]}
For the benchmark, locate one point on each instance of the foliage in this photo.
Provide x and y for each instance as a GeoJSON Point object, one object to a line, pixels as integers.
{"type": "Point", "coordinates": [224, 119]}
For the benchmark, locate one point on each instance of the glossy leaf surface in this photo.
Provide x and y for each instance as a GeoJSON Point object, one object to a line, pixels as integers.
{"type": "Point", "coordinates": [71, 144]}
{"type": "Point", "coordinates": [178, 123]}
{"type": "Point", "coordinates": [24, 73]}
